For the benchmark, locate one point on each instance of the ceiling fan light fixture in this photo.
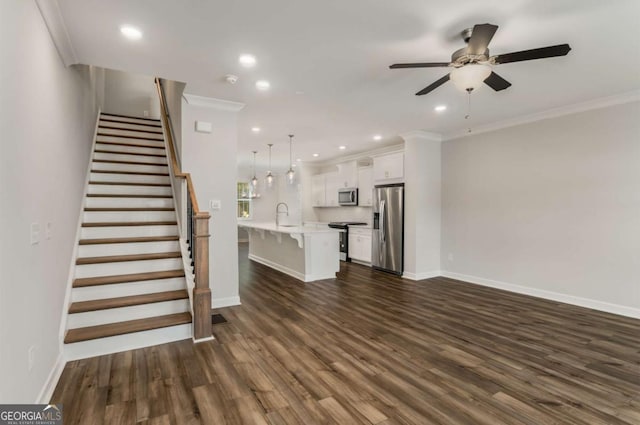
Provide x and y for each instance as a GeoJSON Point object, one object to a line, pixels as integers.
{"type": "Point", "coordinates": [470, 77]}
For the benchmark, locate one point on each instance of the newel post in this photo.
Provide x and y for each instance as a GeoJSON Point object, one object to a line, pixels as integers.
{"type": "Point", "coordinates": [201, 291]}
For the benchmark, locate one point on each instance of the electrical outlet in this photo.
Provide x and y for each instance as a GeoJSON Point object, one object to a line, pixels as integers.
{"type": "Point", "coordinates": [450, 257]}
{"type": "Point", "coordinates": [47, 230]}
{"type": "Point", "coordinates": [146, 113]}
{"type": "Point", "coordinates": [215, 204]}
{"type": "Point", "coordinates": [31, 356]}
{"type": "Point", "coordinates": [35, 233]}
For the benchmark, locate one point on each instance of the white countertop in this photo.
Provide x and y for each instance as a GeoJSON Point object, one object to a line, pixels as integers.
{"type": "Point", "coordinates": [271, 226]}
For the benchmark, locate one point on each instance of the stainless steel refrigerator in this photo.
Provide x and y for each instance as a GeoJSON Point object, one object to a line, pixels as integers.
{"type": "Point", "coordinates": [388, 228]}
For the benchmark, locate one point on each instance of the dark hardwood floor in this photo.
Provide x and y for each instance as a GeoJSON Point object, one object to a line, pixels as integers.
{"type": "Point", "coordinates": [372, 348]}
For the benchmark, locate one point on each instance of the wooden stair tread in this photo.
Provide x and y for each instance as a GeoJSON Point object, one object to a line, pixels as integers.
{"type": "Point", "coordinates": [133, 153]}
{"type": "Point", "coordinates": [130, 123]}
{"type": "Point", "coordinates": [124, 195]}
{"type": "Point", "coordinates": [133, 145]}
{"type": "Point", "coordinates": [131, 300]}
{"type": "Point", "coordinates": [110, 209]}
{"type": "Point", "coordinates": [130, 326]}
{"type": "Point", "coordinates": [107, 127]}
{"type": "Point", "coordinates": [139, 173]}
{"type": "Point", "coordinates": [124, 136]}
{"type": "Point", "coordinates": [110, 161]}
{"type": "Point", "coordinates": [124, 278]}
{"type": "Point", "coordinates": [129, 257]}
{"type": "Point", "coordinates": [131, 184]}
{"type": "Point", "coordinates": [130, 117]}
{"type": "Point", "coordinates": [128, 240]}
{"type": "Point", "coordinates": [129, 223]}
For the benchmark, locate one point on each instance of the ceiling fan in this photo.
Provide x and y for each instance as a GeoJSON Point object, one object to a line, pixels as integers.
{"type": "Point", "coordinates": [472, 64]}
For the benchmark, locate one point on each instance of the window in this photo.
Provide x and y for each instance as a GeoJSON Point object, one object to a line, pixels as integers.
{"type": "Point", "coordinates": [244, 200]}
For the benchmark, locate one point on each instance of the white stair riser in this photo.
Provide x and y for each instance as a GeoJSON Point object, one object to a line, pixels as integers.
{"type": "Point", "coordinates": [127, 231]}
{"type": "Point", "coordinates": [134, 134]}
{"type": "Point", "coordinates": [151, 168]}
{"type": "Point", "coordinates": [100, 202]}
{"type": "Point", "coordinates": [132, 341]}
{"type": "Point", "coordinates": [128, 141]}
{"type": "Point", "coordinates": [129, 149]}
{"type": "Point", "coordinates": [122, 125]}
{"type": "Point", "coordinates": [128, 178]}
{"type": "Point", "coordinates": [126, 157]}
{"type": "Point", "coordinates": [130, 120]}
{"type": "Point", "coordinates": [126, 289]}
{"type": "Point", "coordinates": [106, 249]}
{"type": "Point", "coordinates": [112, 315]}
{"type": "Point", "coordinates": [127, 267]}
{"type": "Point", "coordinates": [129, 190]}
{"type": "Point", "coordinates": [111, 216]}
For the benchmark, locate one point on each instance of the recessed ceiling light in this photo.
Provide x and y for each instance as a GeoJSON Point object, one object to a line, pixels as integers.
{"type": "Point", "coordinates": [262, 85]}
{"type": "Point", "coordinates": [294, 165]}
{"type": "Point", "coordinates": [132, 33]}
{"type": "Point", "coordinates": [440, 108]}
{"type": "Point", "coordinates": [342, 148]}
{"type": "Point", "coordinates": [299, 92]}
{"type": "Point", "coordinates": [377, 137]}
{"type": "Point", "coordinates": [255, 129]}
{"type": "Point", "coordinates": [315, 155]}
{"type": "Point", "coordinates": [298, 159]}
{"type": "Point", "coordinates": [247, 61]}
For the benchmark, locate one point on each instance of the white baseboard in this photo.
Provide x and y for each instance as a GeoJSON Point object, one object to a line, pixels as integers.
{"type": "Point", "coordinates": [548, 295]}
{"type": "Point", "coordinates": [52, 380]}
{"type": "Point", "coordinates": [422, 275]}
{"type": "Point", "coordinates": [225, 302]}
{"type": "Point", "coordinates": [279, 267]}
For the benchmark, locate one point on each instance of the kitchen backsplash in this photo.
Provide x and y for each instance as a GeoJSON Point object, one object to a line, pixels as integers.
{"type": "Point", "coordinates": [344, 214]}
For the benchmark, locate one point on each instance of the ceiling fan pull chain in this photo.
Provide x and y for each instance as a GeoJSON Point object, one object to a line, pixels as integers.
{"type": "Point", "coordinates": [466, 117]}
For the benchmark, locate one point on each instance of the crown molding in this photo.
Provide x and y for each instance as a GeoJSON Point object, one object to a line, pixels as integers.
{"type": "Point", "coordinates": [50, 11]}
{"type": "Point", "coordinates": [211, 102]}
{"type": "Point", "coordinates": [603, 102]}
{"type": "Point", "coordinates": [421, 134]}
{"type": "Point", "coordinates": [396, 147]}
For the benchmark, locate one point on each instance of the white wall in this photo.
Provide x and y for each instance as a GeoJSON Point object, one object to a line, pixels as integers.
{"type": "Point", "coordinates": [130, 94]}
{"type": "Point", "coordinates": [211, 160]}
{"type": "Point", "coordinates": [552, 206]}
{"type": "Point", "coordinates": [47, 119]}
{"type": "Point", "coordinates": [173, 95]}
{"type": "Point", "coordinates": [422, 205]}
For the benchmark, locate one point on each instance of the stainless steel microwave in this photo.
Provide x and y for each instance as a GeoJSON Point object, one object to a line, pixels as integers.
{"type": "Point", "coordinates": [348, 196]}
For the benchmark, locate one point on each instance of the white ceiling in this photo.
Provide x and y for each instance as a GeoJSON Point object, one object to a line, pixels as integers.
{"type": "Point", "coordinates": [337, 53]}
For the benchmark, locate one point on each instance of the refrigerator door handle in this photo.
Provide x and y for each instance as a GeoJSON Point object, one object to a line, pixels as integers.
{"type": "Point", "coordinates": [383, 236]}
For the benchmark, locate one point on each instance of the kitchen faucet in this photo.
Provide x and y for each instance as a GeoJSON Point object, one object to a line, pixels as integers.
{"type": "Point", "coordinates": [278, 212]}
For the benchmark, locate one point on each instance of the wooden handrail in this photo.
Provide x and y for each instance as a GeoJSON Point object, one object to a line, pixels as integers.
{"type": "Point", "coordinates": [199, 235]}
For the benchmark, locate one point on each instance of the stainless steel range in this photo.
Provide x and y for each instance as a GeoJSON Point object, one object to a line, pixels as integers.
{"type": "Point", "coordinates": [343, 226]}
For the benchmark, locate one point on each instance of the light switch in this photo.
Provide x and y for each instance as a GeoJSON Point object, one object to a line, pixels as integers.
{"type": "Point", "coordinates": [47, 230]}
{"type": "Point", "coordinates": [35, 233]}
{"type": "Point", "coordinates": [215, 204]}
{"type": "Point", "coordinates": [204, 127]}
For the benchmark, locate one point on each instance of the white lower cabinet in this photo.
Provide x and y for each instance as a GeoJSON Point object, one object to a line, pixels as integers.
{"type": "Point", "coordinates": [360, 244]}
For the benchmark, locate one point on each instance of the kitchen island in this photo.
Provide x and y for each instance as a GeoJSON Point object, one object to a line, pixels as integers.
{"type": "Point", "coordinates": [307, 253]}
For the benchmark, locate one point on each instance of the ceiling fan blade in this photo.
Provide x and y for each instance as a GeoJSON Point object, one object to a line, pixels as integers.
{"type": "Point", "coordinates": [496, 82]}
{"type": "Point", "coordinates": [433, 86]}
{"type": "Point", "coordinates": [480, 38]}
{"type": "Point", "coordinates": [527, 55]}
{"type": "Point", "coordinates": [419, 65]}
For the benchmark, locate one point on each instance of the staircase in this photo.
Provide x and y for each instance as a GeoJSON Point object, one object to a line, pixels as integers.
{"type": "Point", "coordinates": [129, 288]}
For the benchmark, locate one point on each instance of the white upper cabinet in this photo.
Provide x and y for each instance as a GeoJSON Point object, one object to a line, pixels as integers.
{"type": "Point", "coordinates": [347, 174]}
{"type": "Point", "coordinates": [365, 186]}
{"type": "Point", "coordinates": [388, 168]}
{"type": "Point", "coordinates": [331, 184]}
{"type": "Point", "coordinates": [318, 190]}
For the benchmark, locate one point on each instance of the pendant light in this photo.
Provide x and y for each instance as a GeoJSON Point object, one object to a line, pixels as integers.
{"type": "Point", "coordinates": [290, 173]}
{"type": "Point", "coordinates": [269, 175]}
{"type": "Point", "coordinates": [254, 180]}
